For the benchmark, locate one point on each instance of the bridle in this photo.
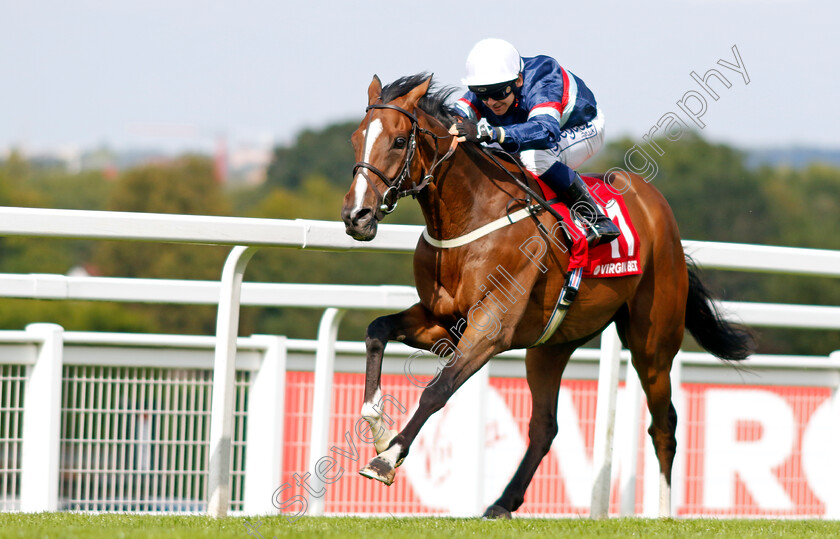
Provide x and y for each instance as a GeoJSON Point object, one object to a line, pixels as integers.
{"type": "Point", "coordinates": [395, 190]}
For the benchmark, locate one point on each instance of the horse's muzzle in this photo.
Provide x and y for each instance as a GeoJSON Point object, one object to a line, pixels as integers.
{"type": "Point", "coordinates": [360, 224]}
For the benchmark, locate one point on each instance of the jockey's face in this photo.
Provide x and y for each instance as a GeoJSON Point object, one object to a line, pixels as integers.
{"type": "Point", "coordinates": [500, 107]}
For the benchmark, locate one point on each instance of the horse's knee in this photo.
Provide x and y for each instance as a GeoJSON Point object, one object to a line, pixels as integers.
{"type": "Point", "coordinates": [550, 435]}
{"type": "Point", "coordinates": [379, 332]}
{"type": "Point", "coordinates": [378, 329]}
{"type": "Point", "coordinates": [662, 437]}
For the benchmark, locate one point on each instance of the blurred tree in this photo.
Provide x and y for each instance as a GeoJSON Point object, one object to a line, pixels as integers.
{"type": "Point", "coordinates": [16, 169]}
{"type": "Point", "coordinates": [806, 203]}
{"type": "Point", "coordinates": [185, 186]}
{"type": "Point", "coordinates": [26, 185]}
{"type": "Point", "coordinates": [806, 206]}
{"type": "Point", "coordinates": [326, 152]}
{"type": "Point", "coordinates": [87, 190]}
{"type": "Point", "coordinates": [28, 255]}
{"type": "Point", "coordinates": [75, 315]}
{"type": "Point", "coordinates": [708, 186]}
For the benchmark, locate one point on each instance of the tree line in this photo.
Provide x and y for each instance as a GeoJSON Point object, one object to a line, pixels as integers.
{"type": "Point", "coordinates": [714, 194]}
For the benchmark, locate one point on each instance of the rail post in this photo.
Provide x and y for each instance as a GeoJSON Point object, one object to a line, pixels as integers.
{"type": "Point", "coordinates": [221, 414]}
{"type": "Point", "coordinates": [322, 401]}
{"type": "Point", "coordinates": [266, 414]}
{"type": "Point", "coordinates": [605, 421]}
{"type": "Point", "coordinates": [40, 443]}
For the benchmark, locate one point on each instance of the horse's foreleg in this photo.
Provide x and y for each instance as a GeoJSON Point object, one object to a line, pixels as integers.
{"type": "Point", "coordinates": [465, 361]}
{"type": "Point", "coordinates": [544, 368]}
{"type": "Point", "coordinates": [415, 327]}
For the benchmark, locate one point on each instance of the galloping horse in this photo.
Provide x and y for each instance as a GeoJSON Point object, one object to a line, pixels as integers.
{"type": "Point", "coordinates": [403, 147]}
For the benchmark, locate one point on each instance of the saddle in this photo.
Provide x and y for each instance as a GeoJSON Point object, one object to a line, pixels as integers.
{"type": "Point", "coordinates": [618, 258]}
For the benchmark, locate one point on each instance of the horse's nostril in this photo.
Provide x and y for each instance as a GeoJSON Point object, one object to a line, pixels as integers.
{"type": "Point", "coordinates": [361, 215]}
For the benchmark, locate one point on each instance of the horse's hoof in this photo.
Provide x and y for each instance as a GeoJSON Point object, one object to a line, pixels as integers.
{"type": "Point", "coordinates": [379, 469]}
{"type": "Point", "coordinates": [495, 512]}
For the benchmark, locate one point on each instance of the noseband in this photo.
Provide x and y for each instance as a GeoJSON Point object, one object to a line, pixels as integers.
{"type": "Point", "coordinates": [395, 190]}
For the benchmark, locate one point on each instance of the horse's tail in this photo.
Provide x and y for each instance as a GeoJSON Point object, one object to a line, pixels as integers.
{"type": "Point", "coordinates": [707, 326]}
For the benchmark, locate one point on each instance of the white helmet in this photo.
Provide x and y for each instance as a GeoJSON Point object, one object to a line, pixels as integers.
{"type": "Point", "coordinates": [492, 61]}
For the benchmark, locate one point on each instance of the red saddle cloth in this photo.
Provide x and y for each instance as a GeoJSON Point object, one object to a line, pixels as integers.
{"type": "Point", "coordinates": [618, 258]}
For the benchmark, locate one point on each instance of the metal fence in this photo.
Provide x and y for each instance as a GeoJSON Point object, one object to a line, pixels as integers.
{"type": "Point", "coordinates": [135, 438]}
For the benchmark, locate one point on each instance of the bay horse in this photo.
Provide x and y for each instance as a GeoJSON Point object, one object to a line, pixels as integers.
{"type": "Point", "coordinates": [403, 146]}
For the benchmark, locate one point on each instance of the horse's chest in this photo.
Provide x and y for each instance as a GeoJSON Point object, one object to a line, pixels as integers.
{"type": "Point", "coordinates": [444, 284]}
{"type": "Point", "coordinates": [439, 299]}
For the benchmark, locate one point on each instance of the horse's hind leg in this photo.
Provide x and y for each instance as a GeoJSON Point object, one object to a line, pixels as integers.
{"type": "Point", "coordinates": [544, 367]}
{"type": "Point", "coordinates": [652, 328]}
{"type": "Point", "coordinates": [415, 327]}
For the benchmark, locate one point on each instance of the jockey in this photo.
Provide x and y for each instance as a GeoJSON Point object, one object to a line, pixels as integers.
{"type": "Point", "coordinates": [540, 110]}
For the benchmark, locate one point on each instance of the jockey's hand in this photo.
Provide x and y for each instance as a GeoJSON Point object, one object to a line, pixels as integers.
{"type": "Point", "coordinates": [468, 130]}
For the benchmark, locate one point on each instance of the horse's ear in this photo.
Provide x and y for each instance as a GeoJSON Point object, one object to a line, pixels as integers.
{"type": "Point", "coordinates": [374, 90]}
{"type": "Point", "coordinates": [412, 97]}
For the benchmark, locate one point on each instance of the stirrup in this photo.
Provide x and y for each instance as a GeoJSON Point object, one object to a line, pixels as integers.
{"type": "Point", "coordinates": [601, 229]}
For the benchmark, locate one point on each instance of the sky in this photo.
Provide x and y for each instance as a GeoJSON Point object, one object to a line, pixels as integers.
{"type": "Point", "coordinates": [180, 74]}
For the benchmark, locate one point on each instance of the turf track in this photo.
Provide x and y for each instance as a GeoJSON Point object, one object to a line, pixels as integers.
{"type": "Point", "coordinates": [67, 525]}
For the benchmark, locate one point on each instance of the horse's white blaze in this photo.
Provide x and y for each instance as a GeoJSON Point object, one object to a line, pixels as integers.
{"type": "Point", "coordinates": [664, 497]}
{"type": "Point", "coordinates": [371, 134]}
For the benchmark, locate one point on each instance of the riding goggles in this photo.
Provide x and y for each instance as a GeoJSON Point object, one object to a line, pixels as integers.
{"type": "Point", "coordinates": [496, 92]}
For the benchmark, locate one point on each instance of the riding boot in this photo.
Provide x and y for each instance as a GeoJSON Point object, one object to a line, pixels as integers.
{"type": "Point", "coordinates": [599, 227]}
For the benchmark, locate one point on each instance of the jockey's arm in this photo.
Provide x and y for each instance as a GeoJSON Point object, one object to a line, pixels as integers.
{"type": "Point", "coordinates": [464, 108]}
{"type": "Point", "coordinates": [540, 132]}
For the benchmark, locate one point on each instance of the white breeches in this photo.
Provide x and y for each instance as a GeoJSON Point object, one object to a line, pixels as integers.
{"type": "Point", "coordinates": [576, 145]}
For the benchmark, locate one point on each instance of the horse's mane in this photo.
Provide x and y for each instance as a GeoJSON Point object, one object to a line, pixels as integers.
{"type": "Point", "coordinates": [433, 103]}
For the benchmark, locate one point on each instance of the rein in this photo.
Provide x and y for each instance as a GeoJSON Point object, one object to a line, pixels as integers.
{"type": "Point", "coordinates": [395, 184]}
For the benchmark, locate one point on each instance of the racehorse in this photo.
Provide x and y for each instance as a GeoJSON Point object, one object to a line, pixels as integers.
{"type": "Point", "coordinates": [482, 297]}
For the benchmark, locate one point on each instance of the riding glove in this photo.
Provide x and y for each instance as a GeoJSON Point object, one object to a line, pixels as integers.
{"type": "Point", "coordinates": [477, 132]}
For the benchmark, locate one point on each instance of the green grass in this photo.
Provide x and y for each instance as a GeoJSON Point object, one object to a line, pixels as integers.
{"type": "Point", "coordinates": [74, 525]}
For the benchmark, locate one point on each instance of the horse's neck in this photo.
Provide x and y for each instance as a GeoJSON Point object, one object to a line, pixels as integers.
{"type": "Point", "coordinates": [461, 199]}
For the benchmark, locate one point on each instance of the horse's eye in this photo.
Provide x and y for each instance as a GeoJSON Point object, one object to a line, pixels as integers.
{"type": "Point", "coordinates": [399, 143]}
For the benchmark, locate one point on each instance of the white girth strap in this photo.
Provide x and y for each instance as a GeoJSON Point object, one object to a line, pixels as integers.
{"type": "Point", "coordinates": [479, 232]}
